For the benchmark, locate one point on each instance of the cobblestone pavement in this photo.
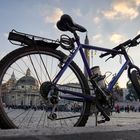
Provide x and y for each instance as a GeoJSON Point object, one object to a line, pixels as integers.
{"type": "Point", "coordinates": [122, 126]}
{"type": "Point", "coordinates": [119, 119]}
{"type": "Point", "coordinates": [40, 120]}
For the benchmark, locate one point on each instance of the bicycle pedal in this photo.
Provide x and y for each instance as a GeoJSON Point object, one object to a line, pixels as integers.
{"type": "Point", "coordinates": [52, 116]}
{"type": "Point", "coordinates": [101, 121]}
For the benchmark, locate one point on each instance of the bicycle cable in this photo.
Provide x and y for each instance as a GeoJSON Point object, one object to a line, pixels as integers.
{"type": "Point", "coordinates": [129, 55]}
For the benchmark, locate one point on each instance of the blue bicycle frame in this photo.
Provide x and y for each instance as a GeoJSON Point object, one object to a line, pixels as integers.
{"type": "Point", "coordinates": [80, 47]}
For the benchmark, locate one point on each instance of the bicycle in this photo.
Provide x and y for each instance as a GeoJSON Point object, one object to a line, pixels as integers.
{"type": "Point", "coordinates": [43, 87]}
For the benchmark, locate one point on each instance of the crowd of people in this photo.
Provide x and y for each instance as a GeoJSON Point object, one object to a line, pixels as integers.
{"type": "Point", "coordinates": [121, 108]}
{"type": "Point", "coordinates": [74, 108]}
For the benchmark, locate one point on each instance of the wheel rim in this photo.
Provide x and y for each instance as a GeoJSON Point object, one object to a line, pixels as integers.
{"type": "Point", "coordinates": [135, 79]}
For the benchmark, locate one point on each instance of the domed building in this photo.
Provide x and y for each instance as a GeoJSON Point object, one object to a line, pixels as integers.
{"type": "Point", "coordinates": [24, 91]}
{"type": "Point", "coordinates": [27, 83]}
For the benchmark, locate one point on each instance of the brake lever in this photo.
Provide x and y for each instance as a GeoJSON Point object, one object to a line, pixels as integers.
{"type": "Point", "coordinates": [112, 56]}
{"type": "Point", "coordinates": [108, 58]}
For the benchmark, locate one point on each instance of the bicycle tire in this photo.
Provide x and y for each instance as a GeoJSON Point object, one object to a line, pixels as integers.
{"type": "Point", "coordinates": [10, 60]}
{"type": "Point", "coordinates": [135, 79]}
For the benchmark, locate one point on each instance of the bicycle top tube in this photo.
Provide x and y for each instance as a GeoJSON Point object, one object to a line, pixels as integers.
{"type": "Point", "coordinates": [85, 46]}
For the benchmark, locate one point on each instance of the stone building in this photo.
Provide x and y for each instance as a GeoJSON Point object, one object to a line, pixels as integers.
{"type": "Point", "coordinates": [24, 91]}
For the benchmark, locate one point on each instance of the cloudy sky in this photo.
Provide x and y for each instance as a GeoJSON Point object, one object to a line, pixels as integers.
{"type": "Point", "coordinates": [109, 22]}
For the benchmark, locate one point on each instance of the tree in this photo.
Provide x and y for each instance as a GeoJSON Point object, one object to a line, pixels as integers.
{"type": "Point", "coordinates": [118, 92]}
{"type": "Point", "coordinates": [132, 95]}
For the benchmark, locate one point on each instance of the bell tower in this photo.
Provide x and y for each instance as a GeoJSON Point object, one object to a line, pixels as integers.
{"type": "Point", "coordinates": [87, 54]}
{"type": "Point", "coordinates": [28, 72]}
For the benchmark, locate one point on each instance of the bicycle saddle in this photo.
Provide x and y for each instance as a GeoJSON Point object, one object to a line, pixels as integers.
{"type": "Point", "coordinates": [66, 24]}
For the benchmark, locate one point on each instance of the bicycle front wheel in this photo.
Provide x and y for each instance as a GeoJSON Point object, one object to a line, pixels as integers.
{"type": "Point", "coordinates": [22, 73]}
{"type": "Point", "coordinates": [135, 79]}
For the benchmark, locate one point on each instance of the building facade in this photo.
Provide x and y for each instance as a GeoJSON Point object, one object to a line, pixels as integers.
{"type": "Point", "coordinates": [24, 91]}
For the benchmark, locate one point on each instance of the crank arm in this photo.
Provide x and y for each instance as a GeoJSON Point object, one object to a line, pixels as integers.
{"type": "Point", "coordinates": [107, 118]}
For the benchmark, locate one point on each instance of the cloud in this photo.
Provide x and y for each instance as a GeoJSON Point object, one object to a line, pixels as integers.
{"type": "Point", "coordinates": [123, 9]}
{"type": "Point", "coordinates": [6, 35]}
{"type": "Point", "coordinates": [117, 38]}
{"type": "Point", "coordinates": [110, 14]}
{"type": "Point", "coordinates": [96, 20]}
{"type": "Point", "coordinates": [77, 12]}
{"type": "Point", "coordinates": [97, 39]}
{"type": "Point", "coordinates": [54, 16]}
{"type": "Point", "coordinates": [137, 2]}
{"type": "Point", "coordinates": [2, 54]}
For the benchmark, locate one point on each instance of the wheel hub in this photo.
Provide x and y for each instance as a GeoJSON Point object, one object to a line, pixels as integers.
{"type": "Point", "coordinates": [49, 92]}
{"type": "Point", "coordinates": [45, 89]}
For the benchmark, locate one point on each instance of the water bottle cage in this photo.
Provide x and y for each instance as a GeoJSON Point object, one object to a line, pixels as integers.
{"type": "Point", "coordinates": [97, 77]}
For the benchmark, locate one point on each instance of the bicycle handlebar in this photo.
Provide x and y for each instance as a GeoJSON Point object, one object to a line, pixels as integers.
{"type": "Point", "coordinates": [129, 43]}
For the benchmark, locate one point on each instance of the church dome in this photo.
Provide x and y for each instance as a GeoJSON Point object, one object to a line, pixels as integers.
{"type": "Point", "coordinates": [27, 81]}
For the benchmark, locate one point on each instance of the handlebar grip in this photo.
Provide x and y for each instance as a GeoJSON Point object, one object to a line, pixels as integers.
{"type": "Point", "coordinates": [137, 37]}
{"type": "Point", "coordinates": [134, 41]}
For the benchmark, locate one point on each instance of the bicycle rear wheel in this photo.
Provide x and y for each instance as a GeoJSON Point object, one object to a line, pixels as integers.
{"type": "Point", "coordinates": [135, 79]}
{"type": "Point", "coordinates": [22, 72]}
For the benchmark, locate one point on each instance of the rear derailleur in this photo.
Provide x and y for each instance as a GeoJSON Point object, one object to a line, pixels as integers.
{"type": "Point", "coordinates": [49, 92]}
{"type": "Point", "coordinates": [54, 99]}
